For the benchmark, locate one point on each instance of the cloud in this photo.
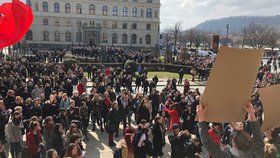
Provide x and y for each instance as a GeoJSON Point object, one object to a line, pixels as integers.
{"type": "Point", "coordinates": [193, 12]}
{"type": "Point", "coordinates": [3, 1]}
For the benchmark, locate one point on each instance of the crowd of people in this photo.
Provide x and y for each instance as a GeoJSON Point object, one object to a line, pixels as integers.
{"type": "Point", "coordinates": [54, 109]}
{"type": "Point", "coordinates": [96, 54]}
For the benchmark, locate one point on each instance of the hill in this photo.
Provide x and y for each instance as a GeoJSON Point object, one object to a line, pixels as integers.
{"type": "Point", "coordinates": [238, 22]}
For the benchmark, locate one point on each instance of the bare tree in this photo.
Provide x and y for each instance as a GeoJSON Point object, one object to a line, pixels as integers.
{"type": "Point", "coordinates": [273, 35]}
{"type": "Point", "coordinates": [177, 30]}
{"type": "Point", "coordinates": [257, 35]}
{"type": "Point", "coordinates": [167, 37]}
{"type": "Point", "coordinates": [197, 38]}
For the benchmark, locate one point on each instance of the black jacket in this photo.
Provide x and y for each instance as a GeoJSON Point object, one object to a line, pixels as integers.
{"type": "Point", "coordinates": [178, 145]}
{"type": "Point", "coordinates": [58, 144]}
{"type": "Point", "coordinates": [158, 139]}
{"type": "Point", "coordinates": [113, 116]}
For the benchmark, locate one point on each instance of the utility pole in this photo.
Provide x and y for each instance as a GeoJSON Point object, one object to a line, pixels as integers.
{"type": "Point", "coordinates": [227, 29]}
{"type": "Point", "coordinates": [243, 41]}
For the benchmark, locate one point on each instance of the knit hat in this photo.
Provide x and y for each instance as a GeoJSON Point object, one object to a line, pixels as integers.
{"type": "Point", "coordinates": [175, 126]}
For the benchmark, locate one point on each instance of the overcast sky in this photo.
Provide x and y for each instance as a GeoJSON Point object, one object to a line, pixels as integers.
{"type": "Point", "coordinates": [193, 12]}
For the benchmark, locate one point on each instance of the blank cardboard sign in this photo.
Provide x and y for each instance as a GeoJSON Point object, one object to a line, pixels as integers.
{"type": "Point", "coordinates": [270, 97]}
{"type": "Point", "coordinates": [230, 84]}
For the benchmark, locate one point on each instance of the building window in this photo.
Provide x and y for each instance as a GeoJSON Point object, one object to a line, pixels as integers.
{"type": "Point", "coordinates": [56, 7]}
{"type": "Point", "coordinates": [134, 39]}
{"type": "Point", "coordinates": [45, 6]}
{"type": "Point", "coordinates": [92, 9]}
{"type": "Point", "coordinates": [135, 0]}
{"type": "Point", "coordinates": [46, 35]}
{"type": "Point", "coordinates": [67, 23]}
{"type": "Point", "coordinates": [68, 37]}
{"type": "Point", "coordinates": [105, 24]}
{"type": "Point", "coordinates": [114, 25]}
{"type": "Point", "coordinates": [91, 23]}
{"type": "Point", "coordinates": [156, 14]}
{"type": "Point", "coordinates": [79, 9]}
{"type": "Point", "coordinates": [149, 13]}
{"type": "Point", "coordinates": [134, 12]}
{"type": "Point", "coordinates": [104, 38]}
{"type": "Point", "coordinates": [45, 21]}
{"type": "Point", "coordinates": [115, 38]}
{"type": "Point", "coordinates": [124, 38]}
{"type": "Point", "coordinates": [29, 3]}
{"type": "Point", "coordinates": [36, 7]}
{"type": "Point", "coordinates": [56, 22]}
{"type": "Point", "coordinates": [115, 11]}
{"type": "Point", "coordinates": [124, 26]}
{"type": "Point", "coordinates": [148, 39]}
{"type": "Point", "coordinates": [142, 13]}
{"type": "Point", "coordinates": [105, 10]}
{"type": "Point", "coordinates": [56, 36]}
{"type": "Point", "coordinates": [149, 26]}
{"type": "Point", "coordinates": [124, 11]}
{"type": "Point", "coordinates": [79, 36]}
{"type": "Point", "coordinates": [29, 35]}
{"type": "Point", "coordinates": [149, 1]}
{"type": "Point", "coordinates": [79, 23]}
{"type": "Point", "coordinates": [67, 8]}
{"type": "Point", "coordinates": [134, 26]}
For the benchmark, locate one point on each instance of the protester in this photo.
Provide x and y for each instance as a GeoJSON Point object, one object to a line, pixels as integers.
{"type": "Point", "coordinates": [52, 153]}
{"type": "Point", "coordinates": [125, 147]}
{"type": "Point", "coordinates": [113, 119]}
{"type": "Point", "coordinates": [177, 140]}
{"type": "Point", "coordinates": [14, 133]}
{"type": "Point", "coordinates": [58, 97]}
{"type": "Point", "coordinates": [242, 144]}
{"type": "Point", "coordinates": [34, 141]}
{"type": "Point", "coordinates": [158, 131]}
{"type": "Point", "coordinates": [58, 139]}
{"type": "Point", "coordinates": [73, 151]}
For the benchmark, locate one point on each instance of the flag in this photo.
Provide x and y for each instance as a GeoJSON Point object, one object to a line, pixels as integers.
{"type": "Point", "coordinates": [15, 20]}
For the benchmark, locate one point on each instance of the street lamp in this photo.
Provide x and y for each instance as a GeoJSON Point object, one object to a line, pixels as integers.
{"type": "Point", "coordinates": [227, 29]}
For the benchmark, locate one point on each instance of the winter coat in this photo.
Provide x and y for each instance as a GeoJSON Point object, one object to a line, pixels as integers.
{"type": "Point", "coordinates": [31, 144]}
{"type": "Point", "coordinates": [13, 132]}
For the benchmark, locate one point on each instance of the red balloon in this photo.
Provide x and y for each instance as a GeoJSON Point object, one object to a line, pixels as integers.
{"type": "Point", "coordinates": [15, 21]}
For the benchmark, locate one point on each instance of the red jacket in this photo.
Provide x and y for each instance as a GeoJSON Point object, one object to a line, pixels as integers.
{"type": "Point", "coordinates": [81, 88]}
{"type": "Point", "coordinates": [31, 144]}
{"type": "Point", "coordinates": [174, 118]}
{"type": "Point", "coordinates": [214, 136]}
{"type": "Point", "coordinates": [107, 71]}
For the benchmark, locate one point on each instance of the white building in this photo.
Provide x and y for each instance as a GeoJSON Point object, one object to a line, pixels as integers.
{"type": "Point", "coordinates": [117, 23]}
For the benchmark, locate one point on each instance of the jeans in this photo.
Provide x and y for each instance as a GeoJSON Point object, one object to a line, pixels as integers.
{"type": "Point", "coordinates": [15, 149]}
{"type": "Point", "coordinates": [96, 118]}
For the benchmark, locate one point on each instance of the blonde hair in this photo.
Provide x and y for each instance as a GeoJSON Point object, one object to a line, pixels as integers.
{"type": "Point", "coordinates": [270, 151]}
{"type": "Point", "coordinates": [18, 108]}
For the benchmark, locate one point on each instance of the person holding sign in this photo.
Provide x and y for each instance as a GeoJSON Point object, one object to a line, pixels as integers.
{"type": "Point", "coordinates": [243, 145]}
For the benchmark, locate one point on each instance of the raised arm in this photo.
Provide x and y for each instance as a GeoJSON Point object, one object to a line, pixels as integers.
{"type": "Point", "coordinates": [213, 149]}
{"type": "Point", "coordinates": [255, 128]}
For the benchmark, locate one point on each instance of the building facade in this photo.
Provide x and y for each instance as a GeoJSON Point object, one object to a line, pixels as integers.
{"type": "Point", "coordinates": [113, 23]}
